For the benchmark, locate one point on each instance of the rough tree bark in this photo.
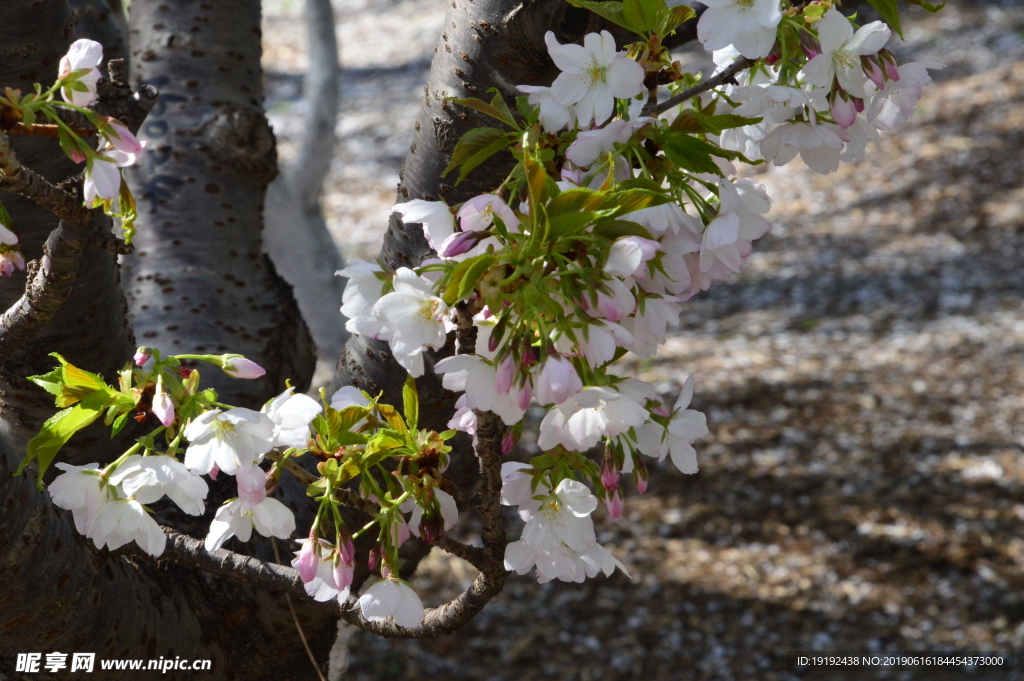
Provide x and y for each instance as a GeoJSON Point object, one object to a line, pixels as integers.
{"type": "Point", "coordinates": [199, 281]}
{"type": "Point", "coordinates": [296, 234]}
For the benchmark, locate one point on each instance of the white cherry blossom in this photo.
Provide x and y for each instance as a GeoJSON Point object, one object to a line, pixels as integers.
{"type": "Point", "coordinates": [416, 317]}
{"type": "Point", "coordinates": [83, 54]}
{"type": "Point", "coordinates": [593, 76]}
{"type": "Point", "coordinates": [748, 25]}
{"type": "Point", "coordinates": [841, 50]}
{"type": "Point", "coordinates": [553, 116]}
{"type": "Point", "coordinates": [81, 490]}
{"type": "Point", "coordinates": [581, 421]}
{"type": "Point", "coordinates": [236, 518]}
{"type": "Point", "coordinates": [392, 598]}
{"type": "Point", "coordinates": [148, 478]}
{"type": "Point", "coordinates": [125, 520]}
{"type": "Point", "coordinates": [291, 415]}
{"type": "Point", "coordinates": [228, 439]}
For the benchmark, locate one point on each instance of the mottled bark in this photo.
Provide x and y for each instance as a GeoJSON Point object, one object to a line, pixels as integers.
{"type": "Point", "coordinates": [296, 234]}
{"type": "Point", "coordinates": [199, 281]}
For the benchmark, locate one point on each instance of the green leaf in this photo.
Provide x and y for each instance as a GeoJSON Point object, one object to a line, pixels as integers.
{"type": "Point", "coordinates": [690, 153]}
{"type": "Point", "coordinates": [411, 403]}
{"type": "Point", "coordinates": [890, 12]}
{"type": "Point", "coordinates": [692, 122]}
{"type": "Point", "coordinates": [393, 418]}
{"type": "Point", "coordinates": [631, 200]}
{"type": "Point", "coordinates": [678, 15]}
{"type": "Point", "coordinates": [502, 114]}
{"type": "Point", "coordinates": [475, 147]}
{"type": "Point", "coordinates": [646, 16]}
{"type": "Point", "coordinates": [474, 272]}
{"type": "Point", "coordinates": [69, 383]}
{"type": "Point", "coordinates": [927, 6]}
{"type": "Point", "coordinates": [572, 200]}
{"type": "Point", "coordinates": [5, 217]}
{"type": "Point", "coordinates": [568, 224]}
{"type": "Point", "coordinates": [612, 11]}
{"type": "Point", "coordinates": [614, 229]}
{"type": "Point", "coordinates": [119, 424]}
{"type": "Point", "coordinates": [499, 105]}
{"type": "Point", "coordinates": [59, 428]}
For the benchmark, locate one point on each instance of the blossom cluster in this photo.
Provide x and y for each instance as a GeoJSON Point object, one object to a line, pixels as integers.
{"type": "Point", "coordinates": [612, 220]}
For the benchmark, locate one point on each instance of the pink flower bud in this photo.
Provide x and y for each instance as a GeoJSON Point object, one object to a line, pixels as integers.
{"type": "Point", "coordinates": [509, 441]}
{"type": "Point", "coordinates": [252, 484]}
{"type": "Point", "coordinates": [214, 472]}
{"type": "Point", "coordinates": [11, 259]}
{"type": "Point", "coordinates": [844, 111]}
{"type": "Point", "coordinates": [123, 139]}
{"type": "Point", "coordinates": [76, 155]}
{"type": "Point", "coordinates": [374, 557]}
{"type": "Point", "coordinates": [609, 474]}
{"type": "Point", "coordinates": [385, 571]}
{"type": "Point", "coordinates": [505, 374]}
{"type": "Point", "coordinates": [641, 485]}
{"type": "Point", "coordinates": [809, 44]}
{"type": "Point", "coordinates": [614, 504]}
{"type": "Point", "coordinates": [873, 71]}
{"type": "Point", "coordinates": [343, 574]}
{"type": "Point", "coordinates": [461, 242]}
{"type": "Point", "coordinates": [141, 356]}
{"type": "Point", "coordinates": [557, 380]}
{"type": "Point", "coordinates": [888, 60]}
{"type": "Point", "coordinates": [240, 367]}
{"type": "Point", "coordinates": [163, 405]}
{"type": "Point", "coordinates": [347, 550]}
{"type": "Point", "coordinates": [309, 560]}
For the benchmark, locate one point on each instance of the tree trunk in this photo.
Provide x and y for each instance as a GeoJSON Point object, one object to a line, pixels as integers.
{"type": "Point", "coordinates": [199, 281]}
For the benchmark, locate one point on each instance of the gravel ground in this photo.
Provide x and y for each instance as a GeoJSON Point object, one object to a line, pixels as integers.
{"type": "Point", "coordinates": [861, 488]}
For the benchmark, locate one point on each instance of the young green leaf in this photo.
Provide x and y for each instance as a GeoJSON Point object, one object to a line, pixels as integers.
{"type": "Point", "coordinates": [612, 11]}
{"type": "Point", "coordinates": [646, 16]}
{"type": "Point", "coordinates": [690, 153]}
{"type": "Point", "coordinates": [411, 403]}
{"type": "Point", "coordinates": [59, 428]}
{"type": "Point", "coordinates": [890, 12]}
{"type": "Point", "coordinates": [475, 147]}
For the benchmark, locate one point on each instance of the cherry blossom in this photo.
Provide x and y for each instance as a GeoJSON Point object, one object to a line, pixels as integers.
{"type": "Point", "coordinates": [125, 520]}
{"type": "Point", "coordinates": [841, 50]}
{"type": "Point", "coordinates": [748, 25]}
{"type": "Point", "coordinates": [582, 420]}
{"type": "Point", "coordinates": [364, 288]}
{"type": "Point", "coordinates": [233, 439]}
{"type": "Point", "coordinates": [148, 478]}
{"type": "Point", "coordinates": [323, 580]}
{"type": "Point", "coordinates": [593, 76]}
{"type": "Point", "coordinates": [392, 598]}
{"type": "Point", "coordinates": [291, 415]}
{"type": "Point", "coordinates": [416, 317]}
{"type": "Point", "coordinates": [81, 490]}
{"type": "Point", "coordinates": [237, 518]}
{"type": "Point", "coordinates": [83, 54]}
{"type": "Point", "coordinates": [553, 116]}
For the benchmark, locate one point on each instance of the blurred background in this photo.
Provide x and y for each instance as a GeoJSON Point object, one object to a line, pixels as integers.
{"type": "Point", "coordinates": [861, 488]}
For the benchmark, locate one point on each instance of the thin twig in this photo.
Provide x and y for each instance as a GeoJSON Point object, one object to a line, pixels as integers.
{"type": "Point", "coordinates": [462, 497]}
{"type": "Point", "coordinates": [726, 76]}
{"type": "Point", "coordinates": [298, 627]}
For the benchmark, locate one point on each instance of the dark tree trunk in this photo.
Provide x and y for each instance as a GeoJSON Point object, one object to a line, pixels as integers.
{"type": "Point", "coordinates": [199, 281]}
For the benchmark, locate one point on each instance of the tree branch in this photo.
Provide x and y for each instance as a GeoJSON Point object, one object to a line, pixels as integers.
{"type": "Point", "coordinates": [48, 288]}
{"type": "Point", "coordinates": [726, 76]}
{"type": "Point", "coordinates": [18, 179]}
